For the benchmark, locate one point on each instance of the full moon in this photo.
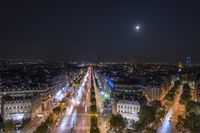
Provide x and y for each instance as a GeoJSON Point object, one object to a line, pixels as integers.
{"type": "Point", "coordinates": [137, 27]}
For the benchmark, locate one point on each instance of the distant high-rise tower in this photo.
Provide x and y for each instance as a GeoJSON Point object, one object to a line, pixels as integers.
{"type": "Point", "coordinates": [188, 62]}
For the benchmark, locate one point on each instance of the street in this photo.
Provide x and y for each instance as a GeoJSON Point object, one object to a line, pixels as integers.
{"type": "Point", "coordinates": [103, 111]}
{"type": "Point", "coordinates": [76, 118]}
{"type": "Point", "coordinates": [169, 122]}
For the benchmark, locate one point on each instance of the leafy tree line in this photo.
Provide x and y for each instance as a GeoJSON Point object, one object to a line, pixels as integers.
{"type": "Point", "coordinates": [9, 126]}
{"type": "Point", "coordinates": [172, 92]}
{"type": "Point", "coordinates": [44, 126]}
{"type": "Point", "coordinates": [149, 117]}
{"type": "Point", "coordinates": [185, 96]}
{"type": "Point", "coordinates": [93, 109]}
{"type": "Point", "coordinates": [51, 119]}
{"type": "Point", "coordinates": [190, 122]}
{"type": "Point", "coordinates": [117, 123]}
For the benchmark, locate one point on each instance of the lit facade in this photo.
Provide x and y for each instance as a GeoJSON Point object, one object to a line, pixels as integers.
{"type": "Point", "coordinates": [156, 92]}
{"type": "Point", "coordinates": [16, 108]}
{"type": "Point", "coordinates": [128, 109]}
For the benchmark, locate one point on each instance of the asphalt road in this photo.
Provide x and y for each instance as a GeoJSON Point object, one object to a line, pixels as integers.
{"type": "Point", "coordinates": [169, 122]}
{"type": "Point", "coordinates": [76, 118]}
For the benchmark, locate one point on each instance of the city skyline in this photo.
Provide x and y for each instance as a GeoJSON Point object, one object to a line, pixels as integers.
{"type": "Point", "coordinates": [100, 66]}
{"type": "Point", "coordinates": [101, 31]}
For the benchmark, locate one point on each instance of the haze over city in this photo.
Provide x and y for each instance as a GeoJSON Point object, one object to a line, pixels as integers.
{"type": "Point", "coordinates": [101, 30]}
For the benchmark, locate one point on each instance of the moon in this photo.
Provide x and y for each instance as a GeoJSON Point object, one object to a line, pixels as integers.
{"type": "Point", "coordinates": [137, 28]}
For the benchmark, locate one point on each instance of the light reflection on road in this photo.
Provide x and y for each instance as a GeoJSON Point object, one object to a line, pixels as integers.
{"type": "Point", "coordinates": [67, 124]}
{"type": "Point", "coordinates": [172, 114]}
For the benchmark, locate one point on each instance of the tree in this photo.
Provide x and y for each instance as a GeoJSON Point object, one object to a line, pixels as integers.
{"type": "Point", "coordinates": [57, 109]}
{"type": "Point", "coordinates": [93, 101]}
{"type": "Point", "coordinates": [169, 96]}
{"type": "Point", "coordinates": [62, 104]}
{"type": "Point", "coordinates": [92, 130]}
{"type": "Point", "coordinates": [192, 122]}
{"type": "Point", "coordinates": [156, 104]}
{"type": "Point", "coordinates": [117, 122]}
{"type": "Point", "coordinates": [43, 128]}
{"type": "Point", "coordinates": [149, 130]}
{"type": "Point", "coordinates": [93, 109]}
{"type": "Point", "coordinates": [94, 127]}
{"type": "Point", "coordinates": [180, 123]}
{"type": "Point", "coordinates": [147, 113]}
{"type": "Point", "coordinates": [185, 97]}
{"type": "Point", "coordinates": [9, 125]}
{"type": "Point", "coordinates": [49, 120]}
{"type": "Point", "coordinates": [193, 106]}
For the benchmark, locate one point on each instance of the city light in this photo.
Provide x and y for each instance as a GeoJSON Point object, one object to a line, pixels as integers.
{"type": "Point", "coordinates": [100, 67]}
{"type": "Point", "coordinates": [166, 123]}
{"type": "Point", "coordinates": [110, 84]}
{"type": "Point", "coordinates": [17, 117]}
{"type": "Point", "coordinates": [77, 99]}
{"type": "Point", "coordinates": [60, 95]}
{"type": "Point", "coordinates": [106, 96]}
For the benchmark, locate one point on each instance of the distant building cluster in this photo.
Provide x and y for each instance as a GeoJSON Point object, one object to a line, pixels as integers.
{"type": "Point", "coordinates": [136, 82]}
{"type": "Point", "coordinates": [151, 79]}
{"type": "Point", "coordinates": [29, 89]}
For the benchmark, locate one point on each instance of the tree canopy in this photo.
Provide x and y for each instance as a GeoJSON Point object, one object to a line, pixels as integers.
{"type": "Point", "coordinates": [9, 125]}
{"type": "Point", "coordinates": [185, 97]}
{"type": "Point", "coordinates": [43, 128]}
{"type": "Point", "coordinates": [117, 121]}
{"type": "Point", "coordinates": [57, 109]}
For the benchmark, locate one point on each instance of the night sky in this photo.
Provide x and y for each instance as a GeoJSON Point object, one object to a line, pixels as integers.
{"type": "Point", "coordinates": [101, 30]}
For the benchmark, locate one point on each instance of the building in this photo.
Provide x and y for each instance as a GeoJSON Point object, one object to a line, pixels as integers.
{"type": "Point", "coordinates": [16, 108]}
{"type": "Point", "coordinates": [188, 62]}
{"type": "Point", "coordinates": [155, 92]}
{"type": "Point", "coordinates": [128, 109]}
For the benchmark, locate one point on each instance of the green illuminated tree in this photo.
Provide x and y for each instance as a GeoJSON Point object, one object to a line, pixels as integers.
{"type": "Point", "coordinates": [57, 109]}
{"type": "Point", "coordinates": [43, 128]}
{"type": "Point", "coordinates": [193, 106]}
{"type": "Point", "coordinates": [117, 122]}
{"type": "Point", "coordinates": [9, 125]}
